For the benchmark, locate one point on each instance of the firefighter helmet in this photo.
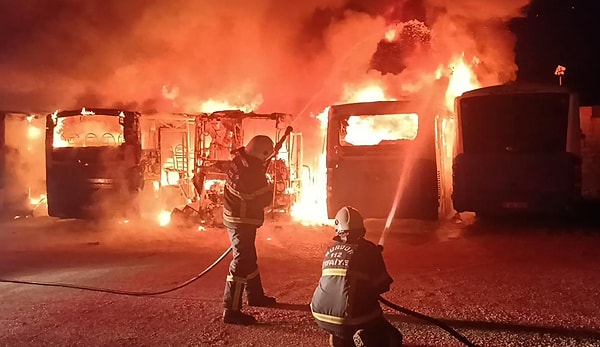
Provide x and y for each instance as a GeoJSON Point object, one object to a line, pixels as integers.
{"type": "Point", "coordinates": [260, 146]}
{"type": "Point", "coordinates": [347, 220]}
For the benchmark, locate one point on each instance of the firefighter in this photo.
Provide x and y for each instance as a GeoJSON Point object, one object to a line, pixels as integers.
{"type": "Point", "coordinates": [345, 303]}
{"type": "Point", "coordinates": [247, 193]}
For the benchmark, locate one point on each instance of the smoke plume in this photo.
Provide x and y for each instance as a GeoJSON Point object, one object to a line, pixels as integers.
{"type": "Point", "coordinates": [278, 56]}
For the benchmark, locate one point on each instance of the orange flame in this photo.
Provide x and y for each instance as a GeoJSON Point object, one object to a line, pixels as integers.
{"type": "Point", "coordinates": [87, 130]}
{"type": "Point", "coordinates": [364, 131]}
{"type": "Point", "coordinates": [462, 79]}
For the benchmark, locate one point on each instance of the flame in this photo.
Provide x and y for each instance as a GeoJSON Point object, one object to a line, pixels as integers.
{"type": "Point", "coordinates": [33, 132]}
{"type": "Point", "coordinates": [462, 79]}
{"type": "Point", "coordinates": [368, 130]}
{"type": "Point", "coordinates": [311, 207]}
{"type": "Point", "coordinates": [372, 92]}
{"type": "Point", "coordinates": [210, 106]}
{"type": "Point", "coordinates": [89, 131]}
{"type": "Point", "coordinates": [214, 105]}
{"type": "Point", "coordinates": [37, 201]}
{"type": "Point", "coordinates": [164, 218]}
{"type": "Point", "coordinates": [391, 34]}
{"type": "Point", "coordinates": [84, 112]}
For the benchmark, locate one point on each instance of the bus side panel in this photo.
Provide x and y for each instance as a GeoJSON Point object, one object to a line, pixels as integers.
{"type": "Point", "coordinates": [516, 182]}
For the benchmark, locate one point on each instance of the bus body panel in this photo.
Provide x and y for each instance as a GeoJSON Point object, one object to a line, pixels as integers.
{"type": "Point", "coordinates": [516, 183]}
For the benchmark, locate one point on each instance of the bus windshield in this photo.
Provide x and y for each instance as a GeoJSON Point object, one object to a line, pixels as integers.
{"type": "Point", "coordinates": [370, 130]}
{"type": "Point", "coordinates": [535, 122]}
{"type": "Point", "coordinates": [88, 131]}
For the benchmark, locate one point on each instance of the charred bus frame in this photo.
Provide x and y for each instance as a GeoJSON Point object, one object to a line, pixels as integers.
{"type": "Point", "coordinates": [220, 133]}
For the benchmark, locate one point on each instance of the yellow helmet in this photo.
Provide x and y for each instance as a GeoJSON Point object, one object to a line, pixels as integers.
{"type": "Point", "coordinates": [260, 146]}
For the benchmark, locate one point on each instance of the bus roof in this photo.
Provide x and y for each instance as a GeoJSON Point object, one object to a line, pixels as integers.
{"type": "Point", "coordinates": [100, 111]}
{"type": "Point", "coordinates": [512, 88]}
{"type": "Point", "coordinates": [373, 107]}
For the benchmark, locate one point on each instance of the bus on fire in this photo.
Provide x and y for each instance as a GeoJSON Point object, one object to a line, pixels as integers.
{"type": "Point", "coordinates": [518, 151]}
{"type": "Point", "coordinates": [93, 163]}
{"type": "Point", "coordinates": [376, 150]}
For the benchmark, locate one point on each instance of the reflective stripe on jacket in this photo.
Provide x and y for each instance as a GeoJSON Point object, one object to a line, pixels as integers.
{"type": "Point", "coordinates": [353, 276]}
{"type": "Point", "coordinates": [247, 191]}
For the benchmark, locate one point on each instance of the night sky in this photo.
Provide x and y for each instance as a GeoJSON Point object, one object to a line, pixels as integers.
{"type": "Point", "coordinates": [561, 32]}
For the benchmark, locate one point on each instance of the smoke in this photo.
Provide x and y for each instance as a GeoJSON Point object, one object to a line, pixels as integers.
{"type": "Point", "coordinates": [291, 57]}
{"type": "Point", "coordinates": [479, 29]}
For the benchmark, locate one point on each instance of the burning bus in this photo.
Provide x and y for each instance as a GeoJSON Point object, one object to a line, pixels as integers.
{"type": "Point", "coordinates": [376, 150]}
{"type": "Point", "coordinates": [93, 163]}
{"type": "Point", "coordinates": [518, 150]}
{"type": "Point", "coordinates": [22, 177]}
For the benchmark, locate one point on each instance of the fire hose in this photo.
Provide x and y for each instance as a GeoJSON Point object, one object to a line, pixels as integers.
{"type": "Point", "coordinates": [434, 321]}
{"type": "Point", "coordinates": [123, 292]}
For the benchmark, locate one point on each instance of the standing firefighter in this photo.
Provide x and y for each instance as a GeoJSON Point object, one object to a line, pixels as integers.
{"type": "Point", "coordinates": [345, 303]}
{"type": "Point", "coordinates": [247, 193]}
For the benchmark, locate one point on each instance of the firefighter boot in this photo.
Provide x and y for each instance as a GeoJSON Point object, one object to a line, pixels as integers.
{"type": "Point", "coordinates": [388, 336]}
{"type": "Point", "coordinates": [232, 301]}
{"type": "Point", "coordinates": [255, 293]}
{"type": "Point", "coordinates": [231, 316]}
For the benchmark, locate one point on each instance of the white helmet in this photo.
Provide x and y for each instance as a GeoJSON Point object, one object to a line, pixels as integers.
{"type": "Point", "coordinates": [349, 219]}
{"type": "Point", "coordinates": [260, 146]}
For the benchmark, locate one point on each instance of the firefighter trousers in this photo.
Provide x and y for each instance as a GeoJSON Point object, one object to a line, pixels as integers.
{"type": "Point", "coordinates": [243, 269]}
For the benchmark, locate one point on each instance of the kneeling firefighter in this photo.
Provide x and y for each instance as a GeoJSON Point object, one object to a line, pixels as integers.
{"type": "Point", "coordinates": [345, 303]}
{"type": "Point", "coordinates": [247, 193]}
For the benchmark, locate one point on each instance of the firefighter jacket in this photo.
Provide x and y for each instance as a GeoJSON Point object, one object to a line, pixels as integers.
{"type": "Point", "coordinates": [353, 276]}
{"type": "Point", "coordinates": [247, 191]}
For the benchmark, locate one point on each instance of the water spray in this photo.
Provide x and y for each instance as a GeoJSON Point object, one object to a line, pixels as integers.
{"type": "Point", "coordinates": [401, 184]}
